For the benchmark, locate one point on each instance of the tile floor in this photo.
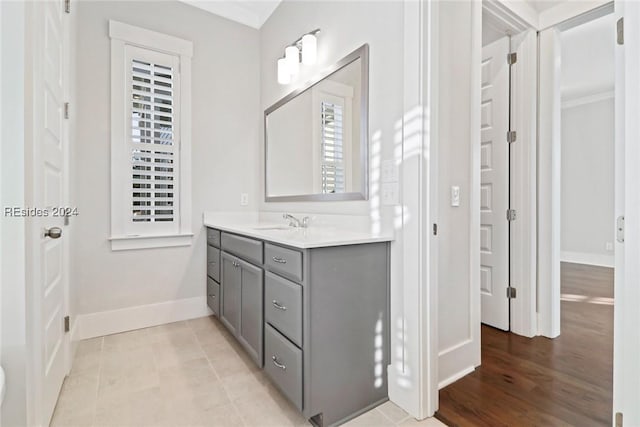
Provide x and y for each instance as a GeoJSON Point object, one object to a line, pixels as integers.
{"type": "Point", "coordinates": [188, 373]}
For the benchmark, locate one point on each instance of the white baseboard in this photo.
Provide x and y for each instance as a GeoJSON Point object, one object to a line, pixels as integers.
{"type": "Point", "coordinates": [453, 378]}
{"type": "Point", "coordinates": [144, 316]}
{"type": "Point", "coordinates": [587, 258]}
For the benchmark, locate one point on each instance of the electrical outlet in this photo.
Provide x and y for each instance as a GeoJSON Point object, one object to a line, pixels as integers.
{"type": "Point", "coordinates": [389, 194]}
{"type": "Point", "coordinates": [244, 199]}
{"type": "Point", "coordinates": [390, 171]}
{"type": "Point", "coordinates": [609, 246]}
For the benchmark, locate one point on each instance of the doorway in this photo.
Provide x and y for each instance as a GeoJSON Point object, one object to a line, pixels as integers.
{"type": "Point", "coordinates": [567, 380]}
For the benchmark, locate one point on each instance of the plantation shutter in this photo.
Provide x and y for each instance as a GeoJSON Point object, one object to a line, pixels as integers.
{"type": "Point", "coordinates": [332, 146]}
{"type": "Point", "coordinates": [153, 143]}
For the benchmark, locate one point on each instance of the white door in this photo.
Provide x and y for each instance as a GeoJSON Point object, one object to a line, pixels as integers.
{"type": "Point", "coordinates": [48, 190]}
{"type": "Point", "coordinates": [626, 348]}
{"type": "Point", "coordinates": [494, 185]}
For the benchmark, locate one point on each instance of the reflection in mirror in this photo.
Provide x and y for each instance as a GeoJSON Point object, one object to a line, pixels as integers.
{"type": "Point", "coordinates": [317, 138]}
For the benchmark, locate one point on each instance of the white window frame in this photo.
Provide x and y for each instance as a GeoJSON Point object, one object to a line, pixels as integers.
{"type": "Point", "coordinates": [340, 94]}
{"type": "Point", "coordinates": [123, 35]}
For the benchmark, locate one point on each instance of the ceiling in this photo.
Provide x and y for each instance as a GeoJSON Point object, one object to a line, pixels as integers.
{"type": "Point", "coordinates": [253, 13]}
{"type": "Point", "coordinates": [588, 58]}
{"type": "Point", "coordinates": [542, 5]}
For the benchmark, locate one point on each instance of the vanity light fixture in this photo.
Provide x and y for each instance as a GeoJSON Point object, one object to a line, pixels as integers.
{"type": "Point", "coordinates": [304, 50]}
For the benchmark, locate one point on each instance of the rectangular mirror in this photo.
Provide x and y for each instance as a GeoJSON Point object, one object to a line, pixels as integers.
{"type": "Point", "coordinates": [317, 138]}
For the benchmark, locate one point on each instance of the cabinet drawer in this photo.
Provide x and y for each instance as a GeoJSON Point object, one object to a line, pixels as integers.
{"type": "Point", "coordinates": [213, 296]}
{"type": "Point", "coordinates": [213, 237]}
{"type": "Point", "coordinates": [283, 364]}
{"type": "Point", "coordinates": [246, 248]}
{"type": "Point", "coordinates": [213, 263]}
{"type": "Point", "coordinates": [283, 260]}
{"type": "Point", "coordinates": [283, 306]}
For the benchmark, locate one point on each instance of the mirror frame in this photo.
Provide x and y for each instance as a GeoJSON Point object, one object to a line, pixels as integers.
{"type": "Point", "coordinates": [361, 53]}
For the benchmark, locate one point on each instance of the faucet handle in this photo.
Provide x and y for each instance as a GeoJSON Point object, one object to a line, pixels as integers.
{"type": "Point", "coordinates": [305, 221]}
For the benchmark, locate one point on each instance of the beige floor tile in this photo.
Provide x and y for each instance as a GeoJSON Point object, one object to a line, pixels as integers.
{"type": "Point", "coordinates": [113, 387]}
{"type": "Point", "coordinates": [245, 384]}
{"type": "Point", "coordinates": [393, 412]}
{"type": "Point", "coordinates": [203, 323]}
{"type": "Point", "coordinates": [373, 418]}
{"type": "Point", "coordinates": [232, 361]}
{"type": "Point", "coordinates": [268, 410]}
{"type": "Point", "coordinates": [175, 353]}
{"type": "Point", "coordinates": [86, 364]}
{"type": "Point", "coordinates": [78, 391]}
{"type": "Point", "coordinates": [140, 408]}
{"type": "Point", "coordinates": [82, 416]}
{"type": "Point", "coordinates": [429, 422]}
{"type": "Point", "coordinates": [90, 346]}
{"type": "Point", "coordinates": [127, 362]}
{"type": "Point", "coordinates": [128, 340]}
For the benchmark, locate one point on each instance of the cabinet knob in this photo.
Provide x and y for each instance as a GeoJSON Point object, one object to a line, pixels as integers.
{"type": "Point", "coordinates": [279, 260]}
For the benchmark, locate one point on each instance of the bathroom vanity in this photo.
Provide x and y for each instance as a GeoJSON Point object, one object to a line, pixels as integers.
{"type": "Point", "coordinates": [311, 307]}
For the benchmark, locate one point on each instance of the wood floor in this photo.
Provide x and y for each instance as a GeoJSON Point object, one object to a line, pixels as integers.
{"type": "Point", "coordinates": [567, 381]}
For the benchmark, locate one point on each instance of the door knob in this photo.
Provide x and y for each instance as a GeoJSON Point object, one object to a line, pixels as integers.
{"type": "Point", "coordinates": [53, 232]}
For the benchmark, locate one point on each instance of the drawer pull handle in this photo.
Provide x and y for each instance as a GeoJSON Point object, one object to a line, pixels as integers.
{"type": "Point", "coordinates": [279, 365]}
{"type": "Point", "coordinates": [279, 260]}
{"type": "Point", "coordinates": [235, 264]}
{"type": "Point", "coordinates": [277, 305]}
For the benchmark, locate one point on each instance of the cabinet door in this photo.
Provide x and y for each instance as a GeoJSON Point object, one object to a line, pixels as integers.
{"type": "Point", "coordinates": [252, 319]}
{"type": "Point", "coordinates": [231, 293]}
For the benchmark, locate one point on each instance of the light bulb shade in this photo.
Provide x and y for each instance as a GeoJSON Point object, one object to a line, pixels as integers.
{"type": "Point", "coordinates": [292, 56]}
{"type": "Point", "coordinates": [309, 49]}
{"type": "Point", "coordinates": [284, 77]}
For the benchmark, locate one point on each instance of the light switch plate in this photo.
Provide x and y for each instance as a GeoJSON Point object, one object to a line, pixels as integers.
{"type": "Point", "coordinates": [390, 194]}
{"type": "Point", "coordinates": [389, 171]}
{"type": "Point", "coordinates": [244, 199]}
{"type": "Point", "coordinates": [455, 195]}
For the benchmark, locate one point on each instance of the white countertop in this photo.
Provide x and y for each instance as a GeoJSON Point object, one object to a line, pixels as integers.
{"type": "Point", "coordinates": [303, 238]}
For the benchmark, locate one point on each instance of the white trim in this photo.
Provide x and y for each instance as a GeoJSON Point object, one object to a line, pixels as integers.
{"type": "Point", "coordinates": [148, 39]}
{"type": "Point", "coordinates": [568, 10]}
{"type": "Point", "coordinates": [144, 316]}
{"type": "Point", "coordinates": [453, 378]}
{"type": "Point", "coordinates": [588, 99]}
{"type": "Point", "coordinates": [601, 260]}
{"type": "Point", "coordinates": [123, 243]}
{"type": "Point", "coordinates": [549, 152]}
{"type": "Point", "coordinates": [123, 35]}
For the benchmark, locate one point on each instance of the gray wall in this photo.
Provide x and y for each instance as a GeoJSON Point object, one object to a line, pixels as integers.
{"type": "Point", "coordinates": [225, 123]}
{"type": "Point", "coordinates": [345, 26]}
{"type": "Point", "coordinates": [588, 180]}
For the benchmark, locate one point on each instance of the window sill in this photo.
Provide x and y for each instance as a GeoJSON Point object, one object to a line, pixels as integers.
{"type": "Point", "coordinates": [125, 243]}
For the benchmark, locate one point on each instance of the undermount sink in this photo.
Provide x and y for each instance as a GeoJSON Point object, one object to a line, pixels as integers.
{"type": "Point", "coordinates": [272, 227]}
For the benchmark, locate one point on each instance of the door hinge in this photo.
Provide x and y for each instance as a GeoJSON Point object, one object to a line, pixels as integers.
{"type": "Point", "coordinates": [511, 292]}
{"type": "Point", "coordinates": [620, 30]}
{"type": "Point", "coordinates": [511, 214]}
{"type": "Point", "coordinates": [511, 136]}
{"type": "Point", "coordinates": [66, 324]}
{"type": "Point", "coordinates": [620, 229]}
{"type": "Point", "coordinates": [512, 58]}
{"type": "Point", "coordinates": [435, 229]}
{"type": "Point", "coordinates": [618, 419]}
{"type": "Point", "coordinates": [66, 110]}
{"type": "Point", "coordinates": [67, 6]}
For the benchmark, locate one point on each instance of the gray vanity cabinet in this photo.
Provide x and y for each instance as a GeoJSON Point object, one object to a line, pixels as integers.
{"type": "Point", "coordinates": [213, 271]}
{"type": "Point", "coordinates": [251, 317]}
{"type": "Point", "coordinates": [316, 320]}
{"type": "Point", "coordinates": [242, 294]}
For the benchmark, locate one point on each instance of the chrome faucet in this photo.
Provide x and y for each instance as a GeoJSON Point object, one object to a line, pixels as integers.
{"type": "Point", "coordinates": [295, 222]}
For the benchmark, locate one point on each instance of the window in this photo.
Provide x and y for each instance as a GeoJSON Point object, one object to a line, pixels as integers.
{"type": "Point", "coordinates": [150, 139]}
{"type": "Point", "coordinates": [331, 108]}
{"type": "Point", "coordinates": [332, 146]}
